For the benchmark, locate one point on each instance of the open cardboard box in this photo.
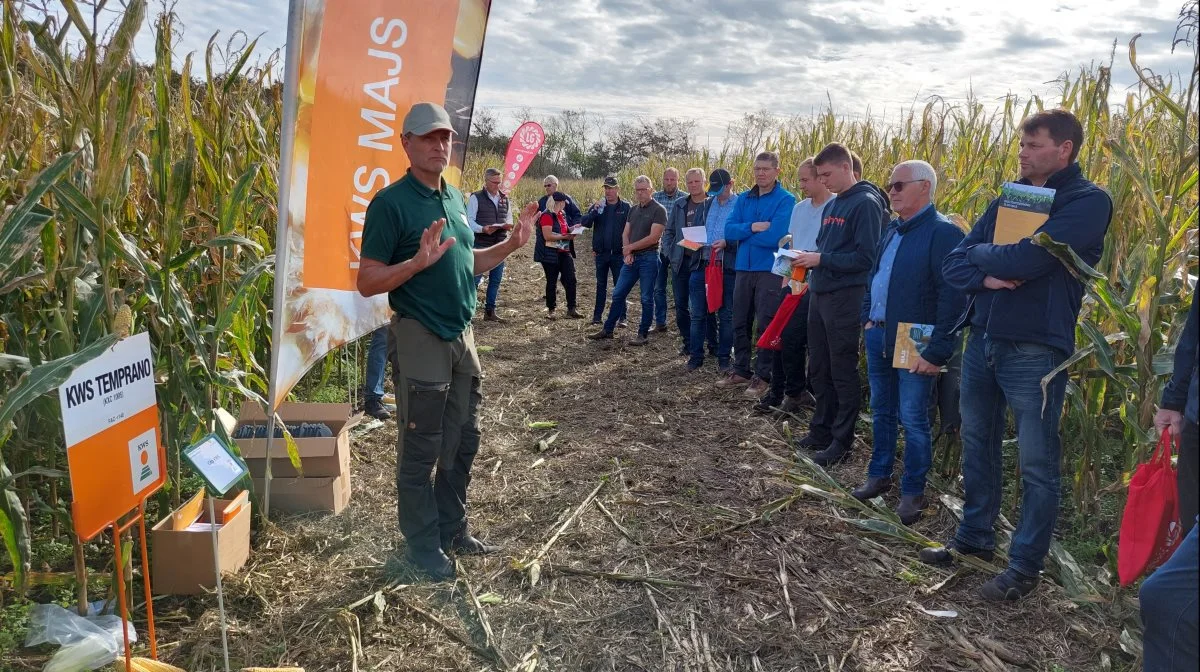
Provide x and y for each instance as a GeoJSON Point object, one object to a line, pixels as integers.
{"type": "Point", "coordinates": [302, 495]}
{"type": "Point", "coordinates": [319, 457]}
{"type": "Point", "coordinates": [182, 559]}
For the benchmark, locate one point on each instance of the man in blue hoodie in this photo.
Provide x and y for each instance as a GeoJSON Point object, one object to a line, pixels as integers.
{"type": "Point", "coordinates": [1022, 307]}
{"type": "Point", "coordinates": [606, 218]}
{"type": "Point", "coordinates": [759, 220]}
{"type": "Point", "coordinates": [838, 275]}
{"type": "Point", "coordinates": [907, 288]}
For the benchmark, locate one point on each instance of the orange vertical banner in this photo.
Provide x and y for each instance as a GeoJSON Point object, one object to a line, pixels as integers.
{"type": "Point", "coordinates": [358, 67]}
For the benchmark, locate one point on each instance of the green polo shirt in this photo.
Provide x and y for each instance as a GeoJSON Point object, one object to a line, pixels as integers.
{"type": "Point", "coordinates": [441, 297]}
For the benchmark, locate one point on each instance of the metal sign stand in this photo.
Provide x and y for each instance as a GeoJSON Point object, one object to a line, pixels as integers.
{"type": "Point", "coordinates": [212, 522]}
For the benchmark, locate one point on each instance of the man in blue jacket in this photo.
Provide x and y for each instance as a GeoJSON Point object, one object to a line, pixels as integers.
{"type": "Point", "coordinates": [1171, 636]}
{"type": "Point", "coordinates": [837, 278]}
{"type": "Point", "coordinates": [1022, 307]}
{"type": "Point", "coordinates": [759, 220]}
{"type": "Point", "coordinates": [606, 219]}
{"type": "Point", "coordinates": [907, 287]}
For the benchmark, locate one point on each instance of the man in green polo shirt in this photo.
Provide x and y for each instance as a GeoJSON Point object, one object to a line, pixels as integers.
{"type": "Point", "coordinates": [417, 246]}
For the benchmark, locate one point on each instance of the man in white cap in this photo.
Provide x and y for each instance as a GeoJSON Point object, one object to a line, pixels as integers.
{"type": "Point", "coordinates": [417, 247]}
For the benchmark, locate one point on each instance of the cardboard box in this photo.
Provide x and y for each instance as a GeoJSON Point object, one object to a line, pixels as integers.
{"type": "Point", "coordinates": [302, 495]}
{"type": "Point", "coordinates": [319, 457]}
{"type": "Point", "coordinates": [181, 560]}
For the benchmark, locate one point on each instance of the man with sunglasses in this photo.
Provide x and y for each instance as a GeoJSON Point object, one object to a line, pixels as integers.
{"type": "Point", "coordinates": [907, 286]}
{"type": "Point", "coordinates": [838, 275]}
{"type": "Point", "coordinates": [572, 212]}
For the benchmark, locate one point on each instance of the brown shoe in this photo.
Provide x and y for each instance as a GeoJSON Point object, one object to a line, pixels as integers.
{"type": "Point", "coordinates": [491, 316]}
{"type": "Point", "coordinates": [662, 329]}
{"type": "Point", "coordinates": [639, 340]}
{"type": "Point", "coordinates": [758, 387]}
{"type": "Point", "coordinates": [574, 314]}
{"type": "Point", "coordinates": [732, 380]}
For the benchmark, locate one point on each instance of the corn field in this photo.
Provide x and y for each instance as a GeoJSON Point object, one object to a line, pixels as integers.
{"type": "Point", "coordinates": [147, 191]}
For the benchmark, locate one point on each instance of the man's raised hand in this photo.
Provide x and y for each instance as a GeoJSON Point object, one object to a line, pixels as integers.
{"type": "Point", "coordinates": [432, 246]}
{"type": "Point", "coordinates": [524, 228]}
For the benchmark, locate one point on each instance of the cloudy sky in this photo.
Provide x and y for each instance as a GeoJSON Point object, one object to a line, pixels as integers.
{"type": "Point", "coordinates": [713, 60]}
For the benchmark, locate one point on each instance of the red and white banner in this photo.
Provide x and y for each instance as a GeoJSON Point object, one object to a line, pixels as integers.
{"type": "Point", "coordinates": [525, 145]}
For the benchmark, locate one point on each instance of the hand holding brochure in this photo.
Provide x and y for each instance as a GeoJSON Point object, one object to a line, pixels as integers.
{"type": "Point", "coordinates": [694, 237]}
{"type": "Point", "coordinates": [1023, 210]}
{"type": "Point", "coordinates": [911, 341]}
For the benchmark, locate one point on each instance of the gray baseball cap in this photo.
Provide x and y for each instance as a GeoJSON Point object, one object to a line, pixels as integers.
{"type": "Point", "coordinates": [425, 118]}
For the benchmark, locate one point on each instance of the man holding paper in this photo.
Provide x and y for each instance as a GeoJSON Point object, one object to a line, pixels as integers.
{"type": "Point", "coordinates": [683, 242]}
{"type": "Point", "coordinates": [1022, 307]}
{"type": "Point", "coordinates": [907, 289]}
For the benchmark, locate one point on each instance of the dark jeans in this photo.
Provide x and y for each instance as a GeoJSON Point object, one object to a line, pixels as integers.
{"type": "Point", "coordinates": [1169, 612]}
{"type": "Point", "coordinates": [896, 393]}
{"type": "Point", "coordinates": [660, 290]}
{"type": "Point", "coordinates": [563, 271]}
{"type": "Point", "coordinates": [833, 331]}
{"type": "Point", "coordinates": [494, 276]}
{"type": "Point", "coordinates": [756, 297]}
{"type": "Point", "coordinates": [789, 373]}
{"type": "Point", "coordinates": [681, 285]}
{"type": "Point", "coordinates": [998, 375]}
{"type": "Point", "coordinates": [703, 326]}
{"type": "Point", "coordinates": [376, 365]}
{"type": "Point", "coordinates": [943, 398]}
{"type": "Point", "coordinates": [642, 271]}
{"type": "Point", "coordinates": [438, 393]}
{"type": "Point", "coordinates": [1188, 474]}
{"type": "Point", "coordinates": [607, 263]}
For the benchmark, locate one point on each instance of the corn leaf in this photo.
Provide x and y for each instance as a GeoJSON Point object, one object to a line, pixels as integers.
{"type": "Point", "coordinates": [21, 230]}
{"type": "Point", "coordinates": [46, 378]}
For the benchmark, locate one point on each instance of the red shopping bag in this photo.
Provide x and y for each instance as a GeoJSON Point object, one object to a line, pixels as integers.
{"type": "Point", "coordinates": [1150, 529]}
{"type": "Point", "coordinates": [772, 335]}
{"type": "Point", "coordinates": [714, 284]}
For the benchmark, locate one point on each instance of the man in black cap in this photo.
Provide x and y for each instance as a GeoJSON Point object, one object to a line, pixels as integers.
{"type": "Point", "coordinates": [718, 250]}
{"type": "Point", "coordinates": [417, 247]}
{"type": "Point", "coordinates": [607, 218]}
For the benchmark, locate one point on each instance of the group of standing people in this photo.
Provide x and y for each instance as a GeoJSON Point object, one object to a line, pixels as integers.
{"type": "Point", "coordinates": [866, 273]}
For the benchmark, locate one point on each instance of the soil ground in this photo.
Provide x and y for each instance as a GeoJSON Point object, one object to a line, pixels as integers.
{"type": "Point", "coordinates": [672, 566]}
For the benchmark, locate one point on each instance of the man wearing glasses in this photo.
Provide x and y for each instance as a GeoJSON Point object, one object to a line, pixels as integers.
{"type": "Point", "coordinates": [572, 212]}
{"type": "Point", "coordinates": [838, 275]}
{"type": "Point", "coordinates": [647, 219]}
{"type": "Point", "coordinates": [907, 286]}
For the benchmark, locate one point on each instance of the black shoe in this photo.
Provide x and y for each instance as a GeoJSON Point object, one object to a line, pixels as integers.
{"type": "Point", "coordinates": [766, 406]}
{"type": "Point", "coordinates": [807, 442]}
{"type": "Point", "coordinates": [573, 314]}
{"type": "Point", "coordinates": [376, 409]}
{"type": "Point", "coordinates": [942, 556]}
{"type": "Point", "coordinates": [491, 316]}
{"type": "Point", "coordinates": [836, 453]}
{"type": "Point", "coordinates": [693, 366]}
{"type": "Point", "coordinates": [640, 339]}
{"type": "Point", "coordinates": [600, 335]}
{"type": "Point", "coordinates": [911, 508]}
{"type": "Point", "coordinates": [433, 563]}
{"type": "Point", "coordinates": [873, 488]}
{"type": "Point", "coordinates": [465, 544]}
{"type": "Point", "coordinates": [1008, 587]}
{"type": "Point", "coordinates": [662, 328]}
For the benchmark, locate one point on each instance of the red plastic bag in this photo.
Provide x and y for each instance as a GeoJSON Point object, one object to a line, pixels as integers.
{"type": "Point", "coordinates": [1150, 530]}
{"type": "Point", "coordinates": [771, 338]}
{"type": "Point", "coordinates": [714, 284]}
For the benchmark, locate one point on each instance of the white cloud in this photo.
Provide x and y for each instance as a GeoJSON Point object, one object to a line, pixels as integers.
{"type": "Point", "coordinates": [713, 60]}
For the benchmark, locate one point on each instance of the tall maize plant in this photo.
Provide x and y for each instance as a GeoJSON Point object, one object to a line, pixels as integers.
{"type": "Point", "coordinates": [135, 195]}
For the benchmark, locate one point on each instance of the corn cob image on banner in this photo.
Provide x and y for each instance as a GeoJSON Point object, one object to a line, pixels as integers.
{"type": "Point", "coordinates": [353, 70]}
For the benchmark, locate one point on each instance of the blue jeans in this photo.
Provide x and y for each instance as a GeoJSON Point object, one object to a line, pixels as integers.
{"type": "Point", "coordinates": [997, 375]}
{"type": "Point", "coordinates": [703, 325]}
{"type": "Point", "coordinates": [660, 289]}
{"type": "Point", "coordinates": [681, 287]}
{"type": "Point", "coordinates": [607, 263]}
{"type": "Point", "coordinates": [642, 271]}
{"type": "Point", "coordinates": [1169, 622]}
{"type": "Point", "coordinates": [377, 357]}
{"type": "Point", "coordinates": [896, 392]}
{"type": "Point", "coordinates": [493, 291]}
